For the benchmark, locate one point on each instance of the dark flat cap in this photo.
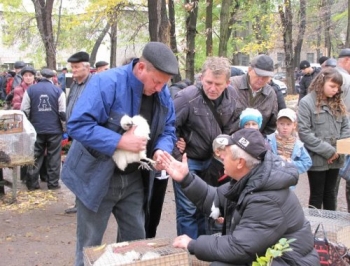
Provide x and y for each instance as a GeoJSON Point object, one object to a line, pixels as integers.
{"type": "Point", "coordinates": [28, 69]}
{"type": "Point", "coordinates": [263, 65]}
{"type": "Point", "coordinates": [47, 73]}
{"type": "Point", "coordinates": [79, 57]}
{"type": "Point", "coordinates": [161, 57]}
{"type": "Point", "coordinates": [322, 59]}
{"type": "Point", "coordinates": [331, 62]}
{"type": "Point", "coordinates": [304, 64]}
{"type": "Point", "coordinates": [344, 53]}
{"type": "Point", "coordinates": [19, 64]}
{"type": "Point", "coordinates": [101, 64]}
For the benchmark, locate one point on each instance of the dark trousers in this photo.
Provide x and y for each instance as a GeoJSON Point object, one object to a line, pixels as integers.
{"type": "Point", "coordinates": [155, 208]}
{"type": "Point", "coordinates": [52, 142]}
{"type": "Point", "coordinates": [323, 189]}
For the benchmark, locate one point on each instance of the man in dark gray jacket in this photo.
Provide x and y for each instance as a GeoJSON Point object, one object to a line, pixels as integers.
{"type": "Point", "coordinates": [259, 207]}
{"type": "Point", "coordinates": [254, 91]}
{"type": "Point", "coordinates": [202, 113]}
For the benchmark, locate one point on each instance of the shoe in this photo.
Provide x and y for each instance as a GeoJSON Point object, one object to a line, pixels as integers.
{"type": "Point", "coordinates": [33, 188]}
{"type": "Point", "coordinates": [54, 187]}
{"type": "Point", "coordinates": [71, 210]}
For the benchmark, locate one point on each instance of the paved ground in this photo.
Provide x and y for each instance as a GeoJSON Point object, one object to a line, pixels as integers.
{"type": "Point", "coordinates": [45, 235]}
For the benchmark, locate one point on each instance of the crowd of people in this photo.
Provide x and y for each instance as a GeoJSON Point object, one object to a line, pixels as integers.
{"type": "Point", "coordinates": [232, 148]}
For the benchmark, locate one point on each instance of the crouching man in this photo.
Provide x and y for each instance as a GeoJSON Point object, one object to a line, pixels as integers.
{"type": "Point", "coordinates": [259, 207]}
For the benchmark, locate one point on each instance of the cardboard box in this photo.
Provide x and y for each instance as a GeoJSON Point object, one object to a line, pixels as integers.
{"type": "Point", "coordinates": [343, 146]}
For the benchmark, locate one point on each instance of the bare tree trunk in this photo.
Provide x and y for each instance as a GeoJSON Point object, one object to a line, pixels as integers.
{"type": "Point", "coordinates": [347, 41]}
{"type": "Point", "coordinates": [43, 15]}
{"type": "Point", "coordinates": [209, 28]}
{"type": "Point", "coordinates": [98, 43]}
{"type": "Point", "coordinates": [319, 31]}
{"type": "Point", "coordinates": [154, 14]}
{"type": "Point", "coordinates": [224, 26]}
{"type": "Point", "coordinates": [301, 32]}
{"type": "Point", "coordinates": [191, 27]}
{"type": "Point", "coordinates": [173, 42]}
{"type": "Point", "coordinates": [285, 12]}
{"type": "Point", "coordinates": [113, 35]}
{"type": "Point", "coordinates": [164, 27]}
{"type": "Point", "coordinates": [327, 26]}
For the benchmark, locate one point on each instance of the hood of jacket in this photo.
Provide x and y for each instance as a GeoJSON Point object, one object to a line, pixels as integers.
{"type": "Point", "coordinates": [271, 174]}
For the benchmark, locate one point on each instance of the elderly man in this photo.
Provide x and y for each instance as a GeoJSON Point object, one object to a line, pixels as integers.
{"type": "Point", "coordinates": [45, 106]}
{"type": "Point", "coordinates": [254, 92]}
{"type": "Point", "coordinates": [259, 207]}
{"type": "Point", "coordinates": [101, 66]}
{"type": "Point", "coordinates": [101, 188]}
{"type": "Point", "coordinates": [309, 73]}
{"type": "Point", "coordinates": [202, 113]}
{"type": "Point", "coordinates": [80, 65]}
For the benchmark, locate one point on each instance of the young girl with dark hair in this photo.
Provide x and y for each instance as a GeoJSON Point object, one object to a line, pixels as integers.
{"type": "Point", "coordinates": [322, 121]}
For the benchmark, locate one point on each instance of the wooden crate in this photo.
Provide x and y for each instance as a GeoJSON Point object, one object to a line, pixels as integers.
{"type": "Point", "coordinates": [335, 223]}
{"type": "Point", "coordinates": [11, 123]}
{"type": "Point", "coordinates": [113, 254]}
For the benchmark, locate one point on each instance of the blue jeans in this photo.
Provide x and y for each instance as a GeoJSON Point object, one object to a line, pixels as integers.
{"type": "Point", "coordinates": [189, 220]}
{"type": "Point", "coordinates": [124, 200]}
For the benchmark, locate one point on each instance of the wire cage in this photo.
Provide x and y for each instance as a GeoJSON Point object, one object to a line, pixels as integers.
{"type": "Point", "coordinates": [148, 252]}
{"type": "Point", "coordinates": [17, 138]}
{"type": "Point", "coordinates": [335, 223]}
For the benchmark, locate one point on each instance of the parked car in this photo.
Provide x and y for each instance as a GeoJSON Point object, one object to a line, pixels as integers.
{"type": "Point", "coordinates": [282, 85]}
{"type": "Point", "coordinates": [280, 76]}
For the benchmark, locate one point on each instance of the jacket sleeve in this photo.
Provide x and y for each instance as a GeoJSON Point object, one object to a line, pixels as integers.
{"type": "Point", "coordinates": [25, 105]}
{"type": "Point", "coordinates": [182, 112]}
{"type": "Point", "coordinates": [90, 113]}
{"type": "Point", "coordinates": [302, 89]}
{"type": "Point", "coordinates": [261, 226]}
{"type": "Point", "coordinates": [306, 135]}
{"type": "Point", "coordinates": [303, 162]}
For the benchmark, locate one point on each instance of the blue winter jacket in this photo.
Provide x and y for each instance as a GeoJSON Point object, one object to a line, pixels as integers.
{"type": "Point", "coordinates": [300, 157]}
{"type": "Point", "coordinates": [95, 127]}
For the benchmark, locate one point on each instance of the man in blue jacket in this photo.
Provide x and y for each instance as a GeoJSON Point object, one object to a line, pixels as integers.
{"type": "Point", "coordinates": [89, 170]}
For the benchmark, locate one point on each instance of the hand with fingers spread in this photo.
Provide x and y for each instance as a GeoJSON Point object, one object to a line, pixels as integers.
{"type": "Point", "coordinates": [177, 170]}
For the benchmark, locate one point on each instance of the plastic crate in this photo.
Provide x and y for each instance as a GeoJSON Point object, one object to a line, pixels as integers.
{"type": "Point", "coordinates": [335, 223]}
{"type": "Point", "coordinates": [117, 253]}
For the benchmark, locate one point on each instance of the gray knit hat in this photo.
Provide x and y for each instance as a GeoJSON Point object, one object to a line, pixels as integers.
{"type": "Point", "coordinates": [161, 57]}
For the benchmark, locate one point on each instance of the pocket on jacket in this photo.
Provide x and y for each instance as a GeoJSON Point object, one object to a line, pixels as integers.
{"type": "Point", "coordinates": [86, 165]}
{"type": "Point", "coordinates": [317, 160]}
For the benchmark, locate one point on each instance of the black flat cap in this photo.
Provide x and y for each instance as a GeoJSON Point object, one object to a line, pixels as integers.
{"type": "Point", "coordinates": [79, 57]}
{"type": "Point", "coordinates": [47, 73]}
{"type": "Point", "coordinates": [161, 57]}
{"type": "Point", "coordinates": [304, 64]}
{"type": "Point", "coordinates": [322, 59]}
{"type": "Point", "coordinates": [28, 69]}
{"type": "Point", "coordinates": [331, 62]}
{"type": "Point", "coordinates": [101, 64]}
{"type": "Point", "coordinates": [263, 65]}
{"type": "Point", "coordinates": [344, 53]}
{"type": "Point", "coordinates": [19, 64]}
